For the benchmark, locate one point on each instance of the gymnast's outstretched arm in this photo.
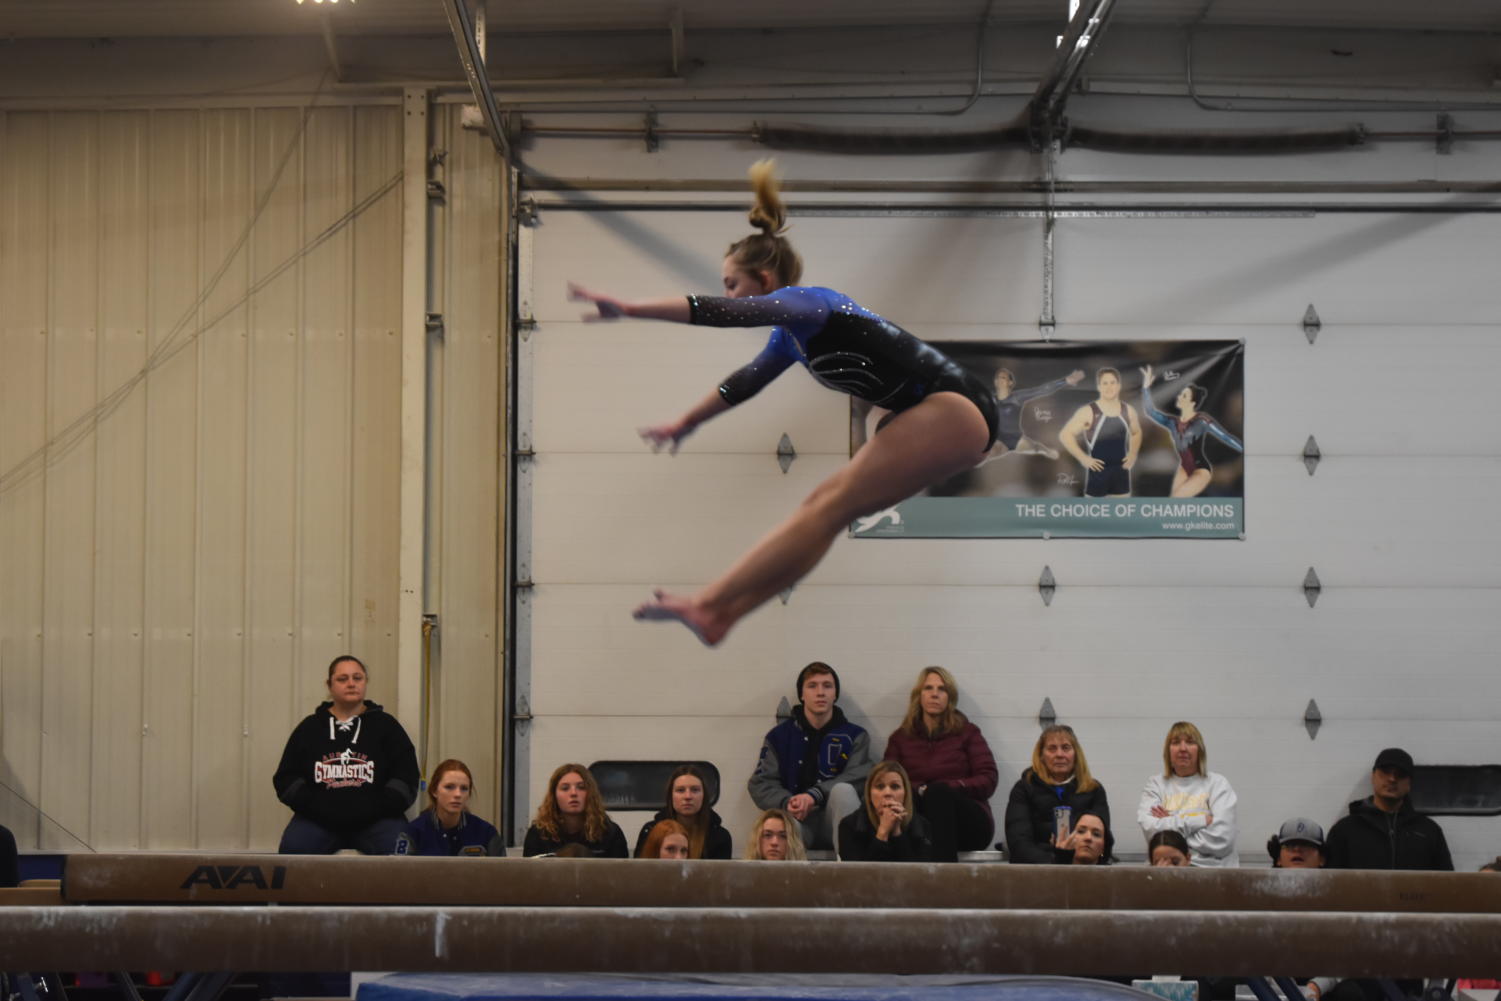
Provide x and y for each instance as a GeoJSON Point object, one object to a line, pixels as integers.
{"type": "Point", "coordinates": [1217, 429]}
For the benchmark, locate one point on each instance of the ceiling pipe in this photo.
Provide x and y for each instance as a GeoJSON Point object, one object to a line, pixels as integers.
{"type": "Point", "coordinates": [1045, 112]}
{"type": "Point", "coordinates": [473, 60]}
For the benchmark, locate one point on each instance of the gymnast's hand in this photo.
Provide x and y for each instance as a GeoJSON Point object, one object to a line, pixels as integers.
{"type": "Point", "coordinates": [1146, 377]}
{"type": "Point", "coordinates": [1094, 465]}
{"type": "Point", "coordinates": [670, 435]}
{"type": "Point", "coordinates": [609, 307]}
{"type": "Point", "coordinates": [1075, 377]}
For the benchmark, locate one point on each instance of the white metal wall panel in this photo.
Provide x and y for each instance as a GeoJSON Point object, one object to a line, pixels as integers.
{"type": "Point", "coordinates": [1139, 633]}
{"type": "Point", "coordinates": [180, 572]}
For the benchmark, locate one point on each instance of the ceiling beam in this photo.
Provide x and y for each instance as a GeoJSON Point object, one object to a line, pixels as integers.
{"type": "Point", "coordinates": [461, 22]}
{"type": "Point", "coordinates": [1045, 112]}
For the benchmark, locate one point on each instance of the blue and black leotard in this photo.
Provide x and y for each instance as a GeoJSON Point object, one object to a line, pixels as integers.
{"type": "Point", "coordinates": [844, 346]}
{"type": "Point", "coordinates": [1188, 436]}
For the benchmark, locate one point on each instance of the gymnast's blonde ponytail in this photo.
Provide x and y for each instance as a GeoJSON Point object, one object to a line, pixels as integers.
{"type": "Point", "coordinates": [767, 250]}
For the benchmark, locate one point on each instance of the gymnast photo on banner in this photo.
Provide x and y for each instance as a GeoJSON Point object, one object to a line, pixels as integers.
{"type": "Point", "coordinates": [1124, 439]}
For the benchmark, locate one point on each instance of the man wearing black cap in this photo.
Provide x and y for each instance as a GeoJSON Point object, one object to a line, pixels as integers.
{"type": "Point", "coordinates": [811, 765]}
{"type": "Point", "coordinates": [1383, 831]}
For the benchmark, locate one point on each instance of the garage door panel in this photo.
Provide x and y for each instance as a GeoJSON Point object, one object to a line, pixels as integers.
{"type": "Point", "coordinates": [1355, 268]}
{"type": "Point", "coordinates": [681, 520]}
{"type": "Point", "coordinates": [917, 271]}
{"type": "Point", "coordinates": [1228, 652]}
{"type": "Point", "coordinates": [597, 383]}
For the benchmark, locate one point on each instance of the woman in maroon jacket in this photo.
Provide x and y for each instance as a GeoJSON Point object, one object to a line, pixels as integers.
{"type": "Point", "coordinates": [953, 772]}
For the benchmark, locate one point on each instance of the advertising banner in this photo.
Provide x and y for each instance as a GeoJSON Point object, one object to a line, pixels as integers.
{"type": "Point", "coordinates": [1106, 439]}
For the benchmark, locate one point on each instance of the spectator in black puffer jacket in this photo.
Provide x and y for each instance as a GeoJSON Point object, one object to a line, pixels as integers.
{"type": "Point", "coordinates": [1059, 778]}
{"type": "Point", "coordinates": [687, 796]}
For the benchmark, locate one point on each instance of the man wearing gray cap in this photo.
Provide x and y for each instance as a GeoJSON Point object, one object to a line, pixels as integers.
{"type": "Point", "coordinates": [1299, 844]}
{"type": "Point", "coordinates": [1383, 831]}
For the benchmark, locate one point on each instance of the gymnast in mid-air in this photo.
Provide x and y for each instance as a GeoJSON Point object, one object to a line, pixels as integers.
{"type": "Point", "coordinates": [1188, 431]}
{"type": "Point", "coordinates": [942, 419]}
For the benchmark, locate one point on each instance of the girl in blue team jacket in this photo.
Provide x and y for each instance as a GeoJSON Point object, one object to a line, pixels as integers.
{"type": "Point", "coordinates": [447, 827]}
{"type": "Point", "coordinates": [941, 421]}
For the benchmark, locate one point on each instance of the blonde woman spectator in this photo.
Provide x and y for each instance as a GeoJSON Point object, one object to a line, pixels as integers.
{"type": "Point", "coordinates": [1190, 799]}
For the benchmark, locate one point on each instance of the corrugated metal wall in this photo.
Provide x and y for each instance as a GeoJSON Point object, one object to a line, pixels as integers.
{"type": "Point", "coordinates": [199, 401]}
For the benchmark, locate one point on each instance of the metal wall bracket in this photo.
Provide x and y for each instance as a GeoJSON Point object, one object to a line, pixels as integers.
{"type": "Point", "coordinates": [1046, 716]}
{"type": "Point", "coordinates": [523, 714]}
{"type": "Point", "coordinates": [785, 453]}
{"type": "Point", "coordinates": [1312, 719]}
{"type": "Point", "coordinates": [1443, 143]}
{"type": "Point", "coordinates": [1046, 585]}
{"type": "Point", "coordinates": [649, 135]}
{"type": "Point", "coordinates": [1312, 588]}
{"type": "Point", "coordinates": [436, 191]}
{"type": "Point", "coordinates": [433, 321]}
{"type": "Point", "coordinates": [526, 211]}
{"type": "Point", "coordinates": [1311, 323]}
{"type": "Point", "coordinates": [1311, 455]}
{"type": "Point", "coordinates": [785, 594]}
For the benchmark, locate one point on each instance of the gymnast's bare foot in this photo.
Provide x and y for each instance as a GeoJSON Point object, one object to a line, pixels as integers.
{"type": "Point", "coordinates": [709, 629]}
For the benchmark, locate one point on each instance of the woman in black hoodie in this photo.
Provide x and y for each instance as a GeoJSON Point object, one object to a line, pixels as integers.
{"type": "Point", "coordinates": [687, 803]}
{"type": "Point", "coordinates": [349, 772]}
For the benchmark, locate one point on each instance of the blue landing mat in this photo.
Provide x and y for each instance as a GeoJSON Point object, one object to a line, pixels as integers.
{"type": "Point", "coordinates": [747, 987]}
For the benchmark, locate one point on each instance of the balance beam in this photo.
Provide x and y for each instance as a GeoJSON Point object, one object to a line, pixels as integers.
{"type": "Point", "coordinates": [353, 880]}
{"type": "Point", "coordinates": [728, 940]}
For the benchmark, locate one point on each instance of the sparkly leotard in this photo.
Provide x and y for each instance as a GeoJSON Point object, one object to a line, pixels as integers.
{"type": "Point", "coordinates": [1188, 436]}
{"type": "Point", "coordinates": [844, 346]}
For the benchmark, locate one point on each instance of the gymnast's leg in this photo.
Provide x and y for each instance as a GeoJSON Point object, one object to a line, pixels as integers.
{"type": "Point", "coordinates": [1190, 484]}
{"type": "Point", "coordinates": [943, 435]}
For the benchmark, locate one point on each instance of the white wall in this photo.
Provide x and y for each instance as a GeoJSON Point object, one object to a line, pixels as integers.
{"type": "Point", "coordinates": [1397, 651]}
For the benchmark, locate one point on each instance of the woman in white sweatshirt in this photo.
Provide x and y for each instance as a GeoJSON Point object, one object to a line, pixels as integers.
{"type": "Point", "coordinates": [1190, 799]}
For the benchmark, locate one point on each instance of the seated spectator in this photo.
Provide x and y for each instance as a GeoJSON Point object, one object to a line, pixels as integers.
{"type": "Point", "coordinates": [950, 764]}
{"type": "Point", "coordinates": [572, 813]}
{"type": "Point", "coordinates": [1089, 843]}
{"type": "Point", "coordinates": [811, 764]}
{"type": "Point", "coordinates": [668, 839]}
{"type": "Point", "coordinates": [10, 859]}
{"type": "Point", "coordinates": [1383, 831]}
{"type": "Point", "coordinates": [887, 829]}
{"type": "Point", "coordinates": [685, 797]}
{"type": "Point", "coordinates": [1299, 844]}
{"type": "Point", "coordinates": [348, 772]}
{"type": "Point", "coordinates": [1190, 799]}
{"type": "Point", "coordinates": [775, 839]}
{"type": "Point", "coordinates": [1049, 795]}
{"type": "Point", "coordinates": [1168, 850]}
{"type": "Point", "coordinates": [447, 827]}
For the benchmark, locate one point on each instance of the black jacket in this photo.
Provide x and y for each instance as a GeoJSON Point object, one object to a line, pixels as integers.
{"type": "Point", "coordinates": [10, 860]}
{"type": "Point", "coordinates": [717, 840]}
{"type": "Point", "coordinates": [1371, 838]}
{"type": "Point", "coordinates": [346, 776]}
{"type": "Point", "coordinates": [858, 841]}
{"type": "Point", "coordinates": [611, 845]}
{"type": "Point", "coordinates": [1029, 816]}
